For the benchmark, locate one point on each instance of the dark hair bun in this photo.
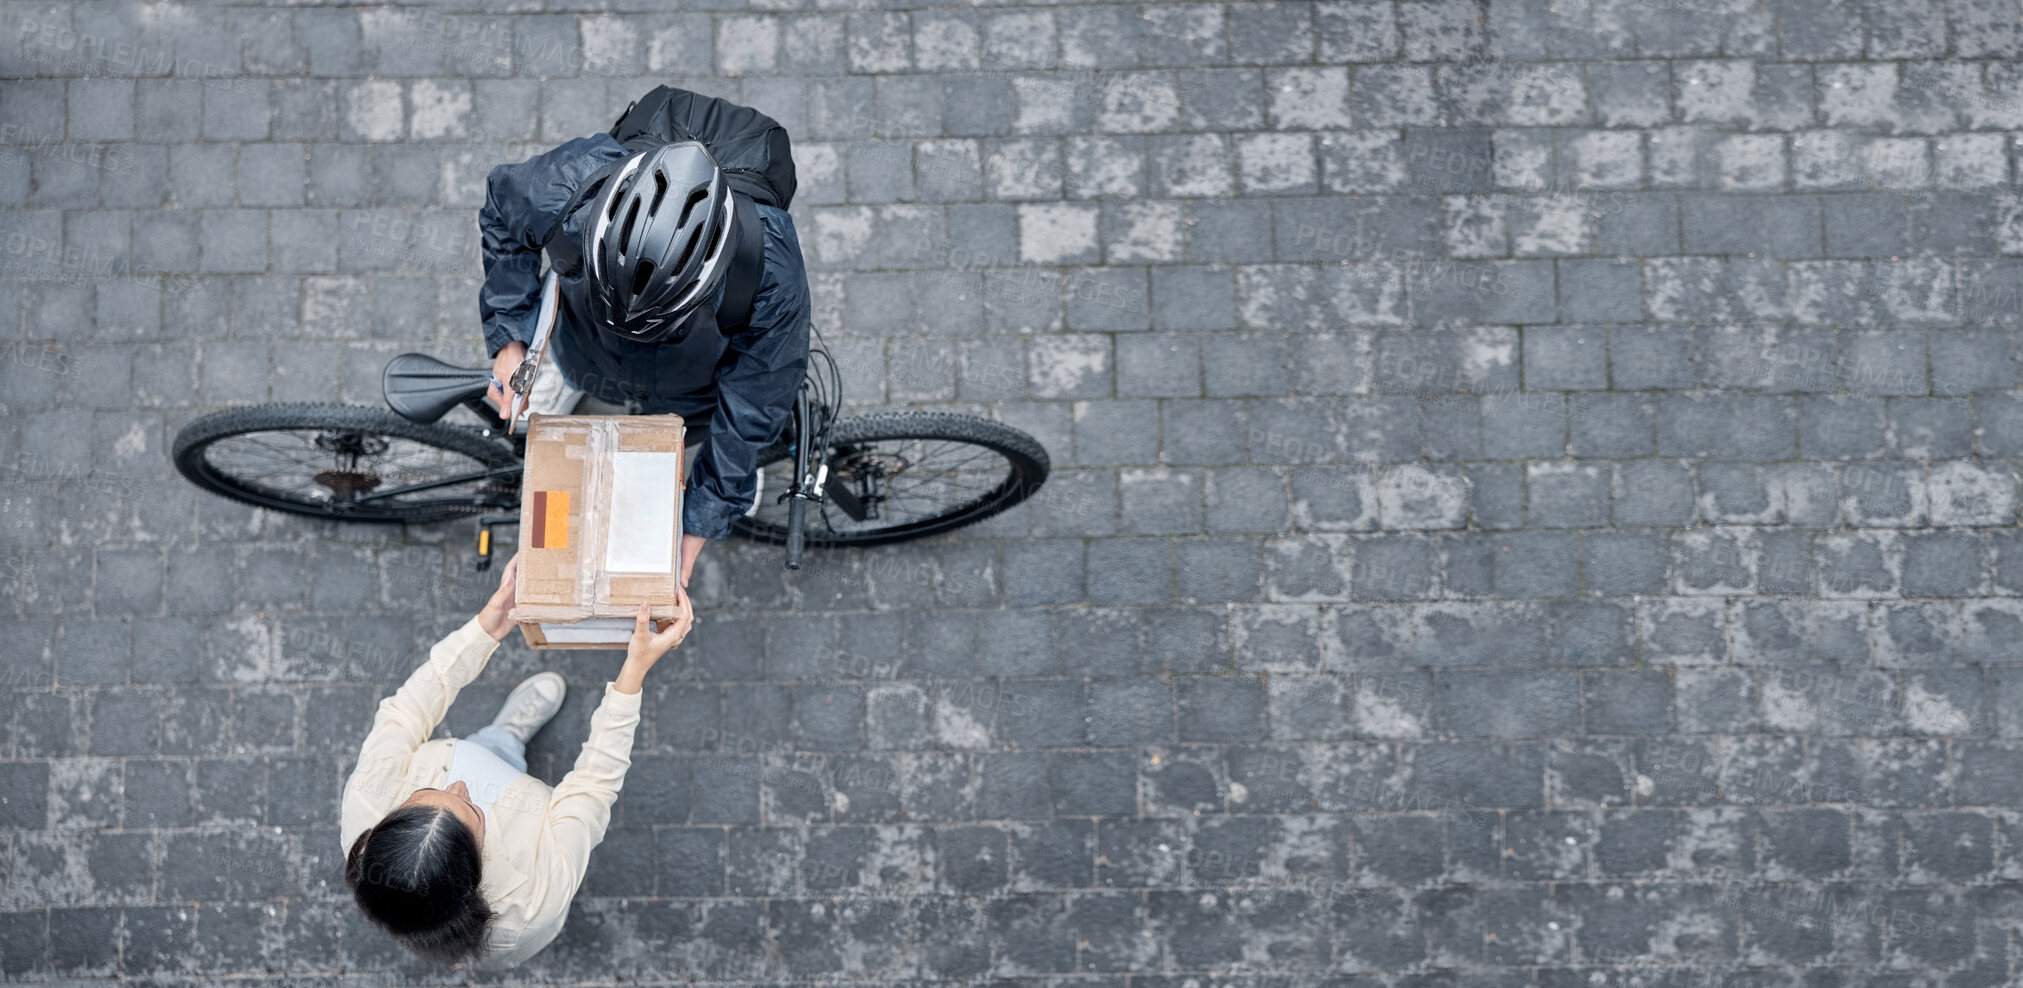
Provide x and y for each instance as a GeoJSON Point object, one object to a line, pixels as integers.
{"type": "Point", "coordinates": [415, 874]}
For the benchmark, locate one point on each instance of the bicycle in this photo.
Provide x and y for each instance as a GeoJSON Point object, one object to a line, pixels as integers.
{"type": "Point", "coordinates": [867, 480]}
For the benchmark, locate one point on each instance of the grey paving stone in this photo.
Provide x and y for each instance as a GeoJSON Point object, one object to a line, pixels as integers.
{"type": "Point", "coordinates": [1508, 705]}
{"type": "Point", "coordinates": [1306, 567]}
{"type": "Point", "coordinates": [1243, 499]}
{"type": "Point", "coordinates": [1271, 33]}
{"type": "Point", "coordinates": [1853, 566]}
{"type": "Point", "coordinates": [1652, 492]}
{"type": "Point", "coordinates": [1943, 564]}
{"type": "Point", "coordinates": [1735, 492]}
{"type": "Point", "coordinates": [1563, 359]}
{"type": "Point", "coordinates": [2008, 549]}
{"type": "Point", "coordinates": [1626, 701]}
{"type": "Point", "coordinates": [1451, 427]}
{"type": "Point", "coordinates": [1638, 223]}
{"type": "Point", "coordinates": [1728, 224]}
{"type": "Point", "coordinates": [1971, 361]}
{"type": "Point", "coordinates": [1841, 428]}
{"type": "Point", "coordinates": [1523, 426]}
{"type": "Point", "coordinates": [1130, 712]}
{"type": "Point", "coordinates": [1496, 495]}
{"type": "Point", "coordinates": [1785, 563]}
{"type": "Point", "coordinates": [1604, 291]}
{"type": "Point", "coordinates": [1622, 564]}
{"type": "Point", "coordinates": [1308, 708]}
{"type": "Point", "coordinates": [1220, 709]}
{"type": "Point", "coordinates": [29, 784]}
{"type": "Point", "coordinates": [1395, 568]}
{"type": "Point", "coordinates": [405, 175]}
{"type": "Point", "coordinates": [1613, 425]}
{"type": "Point", "coordinates": [1566, 495]}
{"type": "Point", "coordinates": [1158, 367]}
{"type": "Point", "coordinates": [976, 105]}
{"type": "Point", "coordinates": [1745, 428]}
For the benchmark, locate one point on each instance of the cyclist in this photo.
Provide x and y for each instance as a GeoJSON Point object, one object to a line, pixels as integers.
{"type": "Point", "coordinates": [683, 286]}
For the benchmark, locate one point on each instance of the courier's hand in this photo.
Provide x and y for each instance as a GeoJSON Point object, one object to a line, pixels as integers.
{"type": "Point", "coordinates": [691, 546]}
{"type": "Point", "coordinates": [648, 645]}
{"type": "Point", "coordinates": [493, 618]}
{"type": "Point", "coordinates": [503, 366]}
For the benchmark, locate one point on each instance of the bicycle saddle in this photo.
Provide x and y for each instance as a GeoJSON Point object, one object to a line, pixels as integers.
{"type": "Point", "coordinates": [424, 389]}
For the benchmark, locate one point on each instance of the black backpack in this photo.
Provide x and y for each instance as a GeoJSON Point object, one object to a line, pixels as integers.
{"type": "Point", "coordinates": [750, 147]}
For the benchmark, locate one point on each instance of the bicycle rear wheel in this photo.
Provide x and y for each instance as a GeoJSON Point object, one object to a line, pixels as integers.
{"type": "Point", "coordinates": [346, 463]}
{"type": "Point", "coordinates": [896, 476]}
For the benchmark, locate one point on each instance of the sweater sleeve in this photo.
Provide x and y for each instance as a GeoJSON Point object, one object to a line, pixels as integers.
{"type": "Point", "coordinates": [404, 722]}
{"type": "Point", "coordinates": [580, 809]}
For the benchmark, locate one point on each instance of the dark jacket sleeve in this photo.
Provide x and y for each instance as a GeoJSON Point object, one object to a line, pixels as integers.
{"type": "Point", "coordinates": [756, 383]}
{"type": "Point", "coordinates": [521, 203]}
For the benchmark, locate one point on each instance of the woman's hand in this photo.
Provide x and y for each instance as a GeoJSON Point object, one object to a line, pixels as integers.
{"type": "Point", "coordinates": [493, 618]}
{"type": "Point", "coordinates": [648, 645]}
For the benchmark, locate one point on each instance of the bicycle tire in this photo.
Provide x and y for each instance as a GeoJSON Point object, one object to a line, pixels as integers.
{"type": "Point", "coordinates": [1028, 460]}
{"type": "Point", "coordinates": [194, 439]}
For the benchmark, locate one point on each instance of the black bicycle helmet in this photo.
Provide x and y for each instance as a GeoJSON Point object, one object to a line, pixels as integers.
{"type": "Point", "coordinates": [659, 241]}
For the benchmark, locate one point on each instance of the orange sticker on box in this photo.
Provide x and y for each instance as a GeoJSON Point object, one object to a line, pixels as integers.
{"type": "Point", "coordinates": [551, 520]}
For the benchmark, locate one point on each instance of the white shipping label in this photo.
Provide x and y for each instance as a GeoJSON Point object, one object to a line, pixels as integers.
{"type": "Point", "coordinates": [590, 631]}
{"type": "Point", "coordinates": [643, 527]}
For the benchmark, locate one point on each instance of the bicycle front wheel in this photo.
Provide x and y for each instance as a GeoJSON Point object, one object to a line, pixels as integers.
{"type": "Point", "coordinates": [346, 463]}
{"type": "Point", "coordinates": [896, 476]}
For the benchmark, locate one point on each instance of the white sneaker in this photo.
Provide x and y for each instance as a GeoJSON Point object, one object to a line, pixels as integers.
{"type": "Point", "coordinates": [531, 704]}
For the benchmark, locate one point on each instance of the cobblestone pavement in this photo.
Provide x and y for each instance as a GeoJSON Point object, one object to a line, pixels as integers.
{"type": "Point", "coordinates": [1535, 496]}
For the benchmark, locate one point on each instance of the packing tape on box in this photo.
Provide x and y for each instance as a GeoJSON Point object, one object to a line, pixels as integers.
{"type": "Point", "coordinates": [600, 440]}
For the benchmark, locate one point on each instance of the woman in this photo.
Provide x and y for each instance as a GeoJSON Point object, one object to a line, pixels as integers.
{"type": "Point", "coordinates": [453, 848]}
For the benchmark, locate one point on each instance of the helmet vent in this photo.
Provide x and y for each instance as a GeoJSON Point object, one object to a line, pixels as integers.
{"type": "Point", "coordinates": [688, 251]}
{"type": "Point", "coordinates": [659, 192]}
{"type": "Point", "coordinates": [723, 234]}
{"type": "Point", "coordinates": [625, 232]}
{"type": "Point", "coordinates": [698, 195]}
{"type": "Point", "coordinates": [640, 277]}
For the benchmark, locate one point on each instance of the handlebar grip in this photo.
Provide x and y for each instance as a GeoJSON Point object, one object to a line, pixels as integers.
{"type": "Point", "coordinates": [797, 514]}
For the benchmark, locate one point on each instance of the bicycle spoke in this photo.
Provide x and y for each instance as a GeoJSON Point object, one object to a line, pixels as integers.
{"type": "Point", "coordinates": [955, 482]}
{"type": "Point", "coordinates": [292, 457]}
{"type": "Point", "coordinates": [950, 468]}
{"type": "Point", "coordinates": [983, 482]}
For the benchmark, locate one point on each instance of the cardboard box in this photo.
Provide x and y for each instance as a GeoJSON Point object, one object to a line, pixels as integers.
{"type": "Point", "coordinates": [600, 527]}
